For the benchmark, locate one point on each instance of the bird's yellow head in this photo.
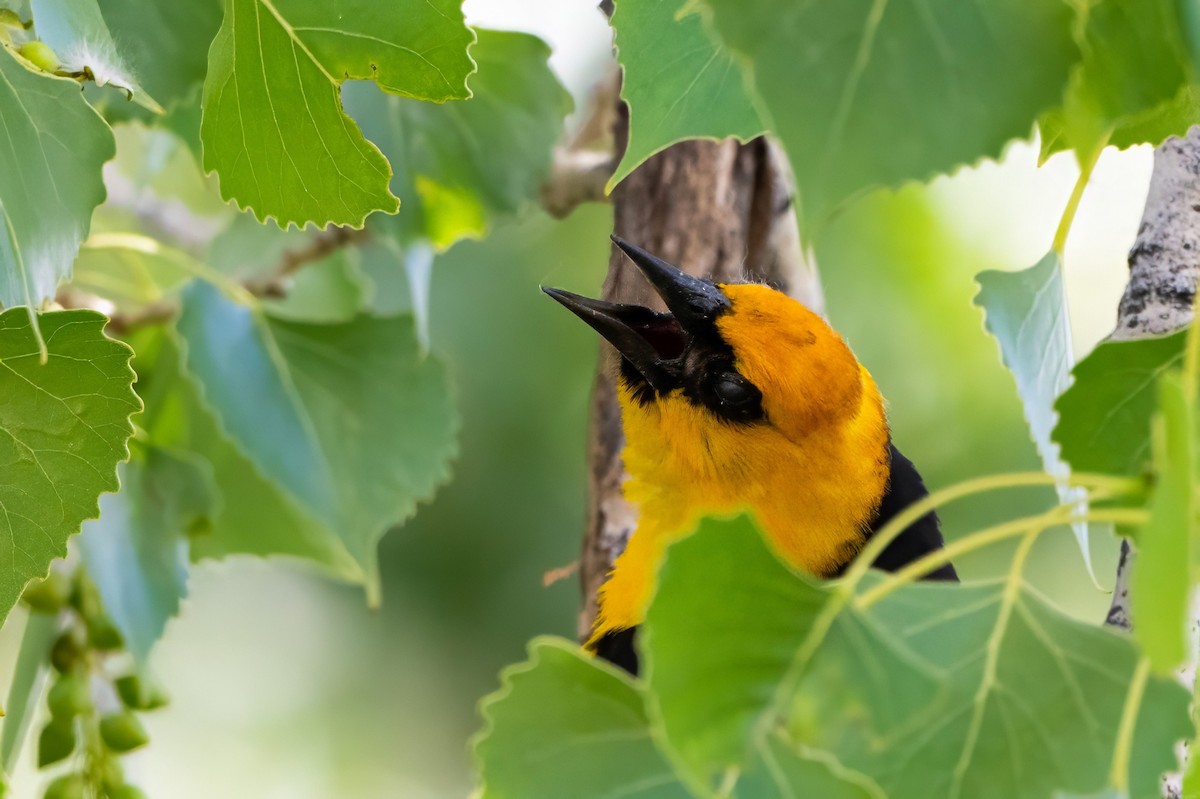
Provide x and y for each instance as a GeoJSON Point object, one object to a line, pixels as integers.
{"type": "Point", "coordinates": [737, 398]}
{"type": "Point", "coordinates": [726, 361]}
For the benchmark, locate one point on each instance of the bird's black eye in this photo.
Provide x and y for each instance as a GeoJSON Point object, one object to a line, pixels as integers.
{"type": "Point", "coordinates": [733, 389]}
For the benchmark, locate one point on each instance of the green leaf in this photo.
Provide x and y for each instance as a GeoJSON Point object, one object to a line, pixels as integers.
{"type": "Point", "coordinates": [137, 552]}
{"type": "Point", "coordinates": [1134, 62]}
{"type": "Point", "coordinates": [52, 145]}
{"type": "Point", "coordinates": [1026, 311]}
{"type": "Point", "coordinates": [130, 270]}
{"type": "Point", "coordinates": [939, 690]}
{"type": "Point", "coordinates": [156, 168]}
{"type": "Point", "coordinates": [349, 420]}
{"type": "Point", "coordinates": [711, 736]}
{"type": "Point", "coordinates": [254, 517]}
{"type": "Point", "coordinates": [1104, 417]}
{"type": "Point", "coordinates": [785, 770]}
{"type": "Point", "coordinates": [273, 126]}
{"type": "Point", "coordinates": [327, 290]}
{"type": "Point", "coordinates": [25, 689]}
{"type": "Point", "coordinates": [1031, 700]}
{"type": "Point", "coordinates": [330, 290]}
{"type": "Point", "coordinates": [677, 82]}
{"type": "Point", "coordinates": [1171, 118]}
{"type": "Point", "coordinates": [563, 724]}
{"type": "Point", "coordinates": [77, 33]}
{"type": "Point", "coordinates": [1162, 579]}
{"type": "Point", "coordinates": [64, 426]}
{"type": "Point", "coordinates": [459, 165]}
{"type": "Point", "coordinates": [864, 94]}
{"type": "Point", "coordinates": [166, 43]}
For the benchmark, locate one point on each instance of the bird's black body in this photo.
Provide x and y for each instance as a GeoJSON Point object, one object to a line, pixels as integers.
{"type": "Point", "coordinates": [904, 487]}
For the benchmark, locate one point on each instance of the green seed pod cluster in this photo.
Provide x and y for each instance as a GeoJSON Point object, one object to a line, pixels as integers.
{"type": "Point", "coordinates": [88, 728]}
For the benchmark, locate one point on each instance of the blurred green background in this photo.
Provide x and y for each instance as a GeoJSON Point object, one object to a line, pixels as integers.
{"type": "Point", "coordinates": [285, 686]}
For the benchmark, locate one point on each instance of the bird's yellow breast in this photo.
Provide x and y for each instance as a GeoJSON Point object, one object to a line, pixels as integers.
{"type": "Point", "coordinates": [813, 487]}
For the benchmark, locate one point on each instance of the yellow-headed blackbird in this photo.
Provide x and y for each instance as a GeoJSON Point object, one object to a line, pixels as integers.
{"type": "Point", "coordinates": [742, 398]}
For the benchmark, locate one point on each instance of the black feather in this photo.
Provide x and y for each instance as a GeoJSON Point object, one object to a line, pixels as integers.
{"type": "Point", "coordinates": [904, 487]}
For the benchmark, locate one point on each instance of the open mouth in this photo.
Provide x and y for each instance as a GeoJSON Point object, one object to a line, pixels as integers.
{"type": "Point", "coordinates": [662, 332]}
{"type": "Point", "coordinates": [650, 341]}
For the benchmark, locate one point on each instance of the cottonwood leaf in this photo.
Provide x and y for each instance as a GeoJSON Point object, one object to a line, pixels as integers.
{"type": "Point", "coordinates": [349, 420]}
{"type": "Point", "coordinates": [166, 43]}
{"type": "Point", "coordinates": [935, 690]}
{"type": "Point", "coordinates": [273, 127]}
{"type": "Point", "coordinates": [25, 686]}
{"type": "Point", "coordinates": [678, 83]}
{"type": "Point", "coordinates": [864, 94]}
{"type": "Point", "coordinates": [130, 270]}
{"type": "Point", "coordinates": [329, 289]}
{"type": "Point", "coordinates": [1104, 417]}
{"type": "Point", "coordinates": [254, 516]}
{"type": "Point", "coordinates": [64, 426]}
{"type": "Point", "coordinates": [137, 552]}
{"type": "Point", "coordinates": [786, 770]}
{"type": "Point", "coordinates": [1026, 312]}
{"type": "Point", "coordinates": [712, 699]}
{"type": "Point", "coordinates": [1134, 63]}
{"type": "Point", "coordinates": [76, 31]}
{"type": "Point", "coordinates": [52, 145]}
{"type": "Point", "coordinates": [565, 724]}
{"type": "Point", "coordinates": [460, 165]}
{"type": "Point", "coordinates": [1162, 579]}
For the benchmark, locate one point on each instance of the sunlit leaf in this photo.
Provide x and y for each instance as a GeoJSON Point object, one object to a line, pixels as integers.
{"type": "Point", "coordinates": [77, 33]}
{"type": "Point", "coordinates": [273, 125]}
{"type": "Point", "coordinates": [1162, 579]}
{"type": "Point", "coordinates": [166, 43]}
{"type": "Point", "coordinates": [129, 270]}
{"type": "Point", "coordinates": [995, 694]}
{"type": "Point", "coordinates": [864, 94]}
{"type": "Point", "coordinates": [460, 165]}
{"type": "Point", "coordinates": [63, 429]}
{"type": "Point", "coordinates": [562, 724]}
{"type": "Point", "coordinates": [1134, 64]}
{"type": "Point", "coordinates": [349, 420]}
{"type": "Point", "coordinates": [677, 82]}
{"type": "Point", "coordinates": [1026, 311]}
{"type": "Point", "coordinates": [52, 145]}
{"type": "Point", "coordinates": [136, 552]}
{"type": "Point", "coordinates": [254, 517]}
{"type": "Point", "coordinates": [26, 684]}
{"type": "Point", "coordinates": [1104, 417]}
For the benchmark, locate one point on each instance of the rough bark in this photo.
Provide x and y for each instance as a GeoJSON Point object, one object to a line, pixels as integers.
{"type": "Point", "coordinates": [1163, 269]}
{"type": "Point", "coordinates": [720, 210]}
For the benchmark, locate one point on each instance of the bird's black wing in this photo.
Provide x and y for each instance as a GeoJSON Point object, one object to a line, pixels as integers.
{"type": "Point", "coordinates": [905, 487]}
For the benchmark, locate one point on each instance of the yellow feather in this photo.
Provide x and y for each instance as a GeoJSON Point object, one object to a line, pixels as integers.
{"type": "Point", "coordinates": [812, 473]}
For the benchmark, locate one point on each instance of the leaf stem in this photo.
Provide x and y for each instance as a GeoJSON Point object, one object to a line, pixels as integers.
{"type": "Point", "coordinates": [1191, 354]}
{"type": "Point", "coordinates": [1068, 215]}
{"type": "Point", "coordinates": [1119, 776]}
{"type": "Point", "coordinates": [901, 521]}
{"type": "Point", "coordinates": [1061, 514]}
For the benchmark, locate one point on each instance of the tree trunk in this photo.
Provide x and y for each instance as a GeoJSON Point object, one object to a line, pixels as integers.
{"type": "Point", "coordinates": [719, 210]}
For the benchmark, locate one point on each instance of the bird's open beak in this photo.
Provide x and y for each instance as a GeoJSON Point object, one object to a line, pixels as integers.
{"type": "Point", "coordinates": [650, 341]}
